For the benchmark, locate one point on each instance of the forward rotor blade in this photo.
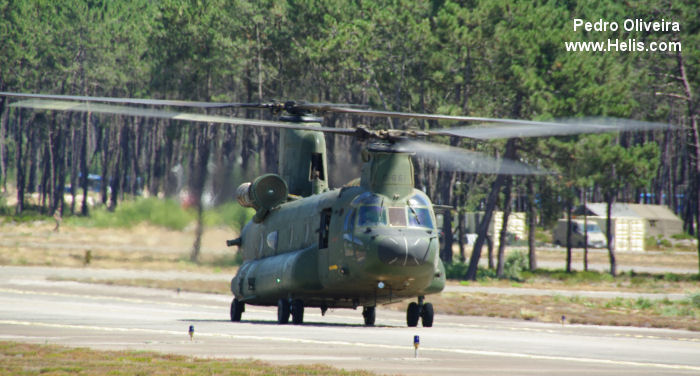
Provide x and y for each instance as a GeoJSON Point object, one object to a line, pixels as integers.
{"type": "Point", "coordinates": [161, 114]}
{"type": "Point", "coordinates": [457, 159]}
{"type": "Point", "coordinates": [558, 128]}
{"type": "Point", "coordinates": [150, 102]}
{"type": "Point", "coordinates": [420, 116]}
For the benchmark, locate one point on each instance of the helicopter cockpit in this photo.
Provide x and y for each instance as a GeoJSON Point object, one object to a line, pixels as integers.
{"type": "Point", "coordinates": [371, 210]}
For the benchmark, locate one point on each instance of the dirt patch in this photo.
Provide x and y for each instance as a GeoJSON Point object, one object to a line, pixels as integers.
{"type": "Point", "coordinates": [142, 247]}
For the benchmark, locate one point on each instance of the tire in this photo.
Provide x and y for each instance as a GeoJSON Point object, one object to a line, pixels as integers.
{"type": "Point", "coordinates": [412, 314]}
{"type": "Point", "coordinates": [297, 309]}
{"type": "Point", "coordinates": [282, 311]}
{"type": "Point", "coordinates": [370, 315]}
{"type": "Point", "coordinates": [427, 315]}
{"type": "Point", "coordinates": [237, 309]}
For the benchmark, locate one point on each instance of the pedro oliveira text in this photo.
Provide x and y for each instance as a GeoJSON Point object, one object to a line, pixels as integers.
{"type": "Point", "coordinates": [630, 24]}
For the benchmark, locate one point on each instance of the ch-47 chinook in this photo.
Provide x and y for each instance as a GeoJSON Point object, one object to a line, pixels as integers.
{"type": "Point", "coordinates": [371, 242]}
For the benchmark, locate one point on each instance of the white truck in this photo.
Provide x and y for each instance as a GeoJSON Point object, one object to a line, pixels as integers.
{"type": "Point", "coordinates": [596, 237]}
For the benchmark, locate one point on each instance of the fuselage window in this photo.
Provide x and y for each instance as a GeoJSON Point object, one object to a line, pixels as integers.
{"type": "Point", "coordinates": [272, 240]}
{"type": "Point", "coordinates": [371, 216]}
{"type": "Point", "coordinates": [260, 248]}
{"type": "Point", "coordinates": [325, 228]}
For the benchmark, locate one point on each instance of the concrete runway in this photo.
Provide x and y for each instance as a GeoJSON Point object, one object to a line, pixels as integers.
{"type": "Point", "coordinates": [36, 310]}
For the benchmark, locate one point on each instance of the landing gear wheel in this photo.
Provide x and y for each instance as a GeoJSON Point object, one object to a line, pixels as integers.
{"type": "Point", "coordinates": [412, 314]}
{"type": "Point", "coordinates": [237, 309]}
{"type": "Point", "coordinates": [297, 311]}
{"type": "Point", "coordinates": [427, 314]}
{"type": "Point", "coordinates": [282, 311]}
{"type": "Point", "coordinates": [370, 315]}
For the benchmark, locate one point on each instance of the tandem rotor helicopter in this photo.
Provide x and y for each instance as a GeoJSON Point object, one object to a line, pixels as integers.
{"type": "Point", "coordinates": [364, 244]}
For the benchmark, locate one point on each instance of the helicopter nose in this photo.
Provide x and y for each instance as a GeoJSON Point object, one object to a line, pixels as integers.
{"type": "Point", "coordinates": [403, 250]}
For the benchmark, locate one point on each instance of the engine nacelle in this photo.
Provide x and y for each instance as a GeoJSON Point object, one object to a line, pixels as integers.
{"type": "Point", "coordinates": [264, 193]}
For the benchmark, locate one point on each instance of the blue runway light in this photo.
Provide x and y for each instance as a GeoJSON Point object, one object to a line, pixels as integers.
{"type": "Point", "coordinates": [416, 343]}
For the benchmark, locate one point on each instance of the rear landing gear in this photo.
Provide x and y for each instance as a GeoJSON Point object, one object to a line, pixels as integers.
{"type": "Point", "coordinates": [285, 308]}
{"type": "Point", "coordinates": [297, 308]}
{"type": "Point", "coordinates": [369, 314]}
{"type": "Point", "coordinates": [420, 310]}
{"type": "Point", "coordinates": [283, 311]}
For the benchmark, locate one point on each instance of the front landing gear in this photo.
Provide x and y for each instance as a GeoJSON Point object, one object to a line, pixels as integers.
{"type": "Point", "coordinates": [421, 310]}
{"type": "Point", "coordinates": [283, 311]}
{"type": "Point", "coordinates": [237, 309]}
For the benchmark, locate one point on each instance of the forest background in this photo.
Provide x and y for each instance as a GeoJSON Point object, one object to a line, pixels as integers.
{"type": "Point", "coordinates": [500, 58]}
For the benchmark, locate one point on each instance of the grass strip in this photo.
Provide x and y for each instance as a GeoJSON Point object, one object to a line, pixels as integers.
{"type": "Point", "coordinates": [31, 359]}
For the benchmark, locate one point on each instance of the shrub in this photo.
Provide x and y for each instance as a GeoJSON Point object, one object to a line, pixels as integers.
{"type": "Point", "coordinates": [164, 213]}
{"type": "Point", "coordinates": [682, 236]}
{"type": "Point", "coordinates": [695, 299]}
{"type": "Point", "coordinates": [515, 264]}
{"type": "Point", "coordinates": [456, 270]}
{"type": "Point", "coordinates": [230, 214]}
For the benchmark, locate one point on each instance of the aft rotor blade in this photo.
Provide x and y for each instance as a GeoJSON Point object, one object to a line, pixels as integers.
{"type": "Point", "coordinates": [150, 102]}
{"type": "Point", "coordinates": [558, 128]}
{"type": "Point", "coordinates": [457, 159]}
{"type": "Point", "coordinates": [161, 114]}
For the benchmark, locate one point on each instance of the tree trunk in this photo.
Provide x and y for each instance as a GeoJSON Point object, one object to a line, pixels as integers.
{"type": "Point", "coordinates": [199, 175]}
{"type": "Point", "coordinates": [118, 170]}
{"type": "Point", "coordinates": [446, 253]}
{"type": "Point", "coordinates": [84, 172]}
{"type": "Point", "coordinates": [4, 115]}
{"type": "Point", "coordinates": [461, 233]}
{"type": "Point", "coordinates": [585, 233]}
{"type": "Point", "coordinates": [74, 165]}
{"type": "Point", "coordinates": [568, 236]}
{"type": "Point", "coordinates": [610, 198]}
{"type": "Point", "coordinates": [692, 116]}
{"type": "Point", "coordinates": [59, 168]}
{"type": "Point", "coordinates": [488, 214]}
{"type": "Point", "coordinates": [18, 162]}
{"type": "Point", "coordinates": [531, 222]}
{"type": "Point", "coordinates": [503, 238]}
{"type": "Point", "coordinates": [105, 135]}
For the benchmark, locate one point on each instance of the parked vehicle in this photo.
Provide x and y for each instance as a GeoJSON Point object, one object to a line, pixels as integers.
{"type": "Point", "coordinates": [596, 237]}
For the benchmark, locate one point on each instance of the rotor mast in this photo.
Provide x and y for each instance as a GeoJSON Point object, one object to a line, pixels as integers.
{"type": "Point", "coordinates": [302, 156]}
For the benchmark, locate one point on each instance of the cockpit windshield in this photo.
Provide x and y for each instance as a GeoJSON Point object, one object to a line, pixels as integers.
{"type": "Point", "coordinates": [370, 211]}
{"type": "Point", "coordinates": [371, 216]}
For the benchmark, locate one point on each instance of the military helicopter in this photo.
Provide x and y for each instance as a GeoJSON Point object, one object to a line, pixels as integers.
{"type": "Point", "coordinates": [373, 241]}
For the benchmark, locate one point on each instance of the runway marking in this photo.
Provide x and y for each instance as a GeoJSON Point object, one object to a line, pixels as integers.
{"type": "Point", "coordinates": [393, 321]}
{"type": "Point", "coordinates": [557, 331]}
{"type": "Point", "coordinates": [365, 345]}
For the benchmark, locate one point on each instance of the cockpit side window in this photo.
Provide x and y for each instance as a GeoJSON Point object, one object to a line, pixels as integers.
{"type": "Point", "coordinates": [419, 214]}
{"type": "Point", "coordinates": [349, 221]}
{"type": "Point", "coordinates": [419, 217]}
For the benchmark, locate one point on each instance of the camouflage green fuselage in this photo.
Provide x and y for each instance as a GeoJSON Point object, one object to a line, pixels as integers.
{"type": "Point", "coordinates": [361, 245]}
